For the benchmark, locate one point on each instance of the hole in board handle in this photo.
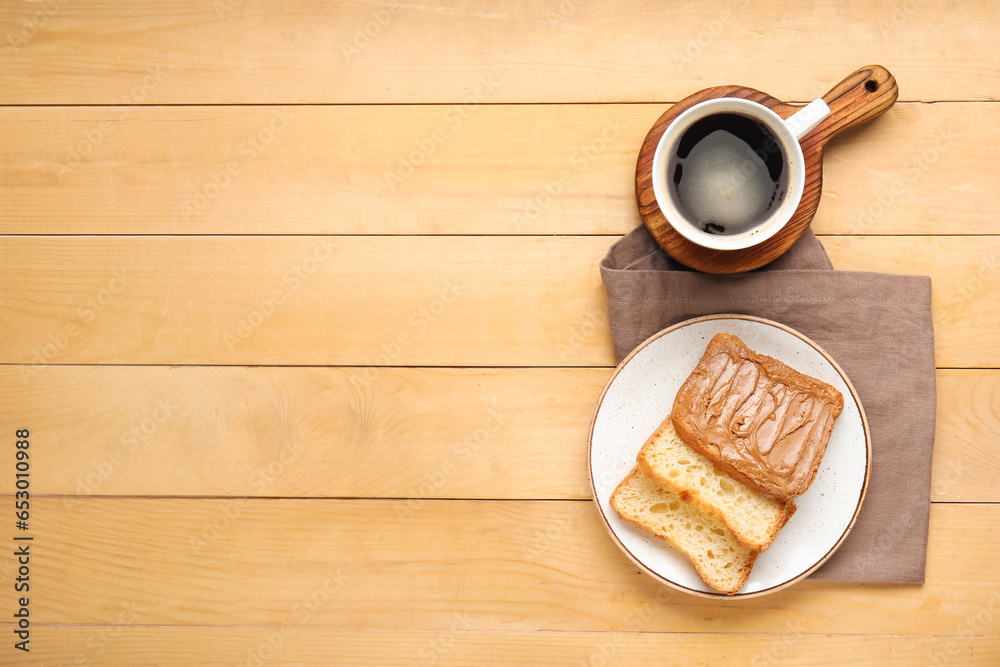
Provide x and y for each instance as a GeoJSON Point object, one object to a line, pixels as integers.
{"type": "Point", "coordinates": [871, 85]}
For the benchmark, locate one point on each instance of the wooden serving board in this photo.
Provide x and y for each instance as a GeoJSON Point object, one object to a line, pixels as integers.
{"type": "Point", "coordinates": [865, 94]}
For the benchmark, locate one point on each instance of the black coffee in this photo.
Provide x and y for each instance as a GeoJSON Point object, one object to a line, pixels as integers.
{"type": "Point", "coordinates": [727, 173]}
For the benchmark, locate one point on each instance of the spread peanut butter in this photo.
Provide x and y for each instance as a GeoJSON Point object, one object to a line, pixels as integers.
{"type": "Point", "coordinates": [757, 419]}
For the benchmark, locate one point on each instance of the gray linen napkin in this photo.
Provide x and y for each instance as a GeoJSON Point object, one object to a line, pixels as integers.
{"type": "Point", "coordinates": [877, 326]}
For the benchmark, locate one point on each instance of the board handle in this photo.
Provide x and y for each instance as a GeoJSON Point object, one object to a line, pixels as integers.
{"type": "Point", "coordinates": [865, 94]}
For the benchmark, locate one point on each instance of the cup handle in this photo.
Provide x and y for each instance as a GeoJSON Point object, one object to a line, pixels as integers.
{"type": "Point", "coordinates": [805, 119]}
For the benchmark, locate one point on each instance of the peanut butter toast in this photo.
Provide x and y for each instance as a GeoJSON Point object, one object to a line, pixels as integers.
{"type": "Point", "coordinates": [755, 418]}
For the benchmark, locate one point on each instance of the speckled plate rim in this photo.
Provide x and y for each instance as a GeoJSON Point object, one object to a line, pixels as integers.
{"type": "Point", "coordinates": [661, 577]}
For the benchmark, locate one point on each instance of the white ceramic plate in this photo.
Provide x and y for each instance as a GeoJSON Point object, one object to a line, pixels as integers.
{"type": "Point", "coordinates": [639, 396]}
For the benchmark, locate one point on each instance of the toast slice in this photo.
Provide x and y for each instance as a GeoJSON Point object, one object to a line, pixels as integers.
{"type": "Point", "coordinates": [752, 518]}
{"type": "Point", "coordinates": [719, 560]}
{"type": "Point", "coordinates": [755, 418]}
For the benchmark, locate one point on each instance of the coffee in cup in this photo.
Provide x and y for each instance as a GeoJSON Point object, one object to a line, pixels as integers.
{"type": "Point", "coordinates": [728, 173]}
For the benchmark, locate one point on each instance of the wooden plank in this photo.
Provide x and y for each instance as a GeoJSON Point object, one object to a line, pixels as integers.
{"type": "Point", "coordinates": [382, 433]}
{"type": "Point", "coordinates": [421, 433]}
{"type": "Point", "coordinates": [304, 300]}
{"type": "Point", "coordinates": [459, 648]}
{"type": "Point", "coordinates": [235, 51]}
{"type": "Point", "coordinates": [967, 441]}
{"type": "Point", "coordinates": [545, 565]}
{"type": "Point", "coordinates": [517, 169]}
{"type": "Point", "coordinates": [525, 169]}
{"type": "Point", "coordinates": [493, 301]}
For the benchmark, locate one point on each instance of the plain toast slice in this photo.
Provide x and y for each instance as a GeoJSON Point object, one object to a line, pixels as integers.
{"type": "Point", "coordinates": [752, 518]}
{"type": "Point", "coordinates": [719, 560]}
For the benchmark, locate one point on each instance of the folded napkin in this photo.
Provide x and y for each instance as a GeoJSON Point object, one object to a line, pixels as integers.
{"type": "Point", "coordinates": [877, 326]}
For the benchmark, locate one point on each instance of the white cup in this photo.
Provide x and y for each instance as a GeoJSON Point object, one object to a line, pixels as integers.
{"type": "Point", "coordinates": [737, 185]}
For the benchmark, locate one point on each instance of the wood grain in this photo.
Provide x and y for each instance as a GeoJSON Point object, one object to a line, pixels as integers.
{"type": "Point", "coordinates": [918, 170]}
{"type": "Point", "coordinates": [967, 438]}
{"type": "Point", "coordinates": [545, 565]}
{"type": "Point", "coordinates": [211, 203]}
{"type": "Point", "coordinates": [334, 170]}
{"type": "Point", "coordinates": [236, 51]}
{"type": "Point", "coordinates": [494, 301]}
{"type": "Point", "coordinates": [459, 648]}
{"type": "Point", "coordinates": [219, 431]}
{"type": "Point", "coordinates": [367, 432]}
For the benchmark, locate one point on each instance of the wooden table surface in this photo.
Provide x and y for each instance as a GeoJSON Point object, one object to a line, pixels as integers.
{"type": "Point", "coordinates": [300, 309]}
